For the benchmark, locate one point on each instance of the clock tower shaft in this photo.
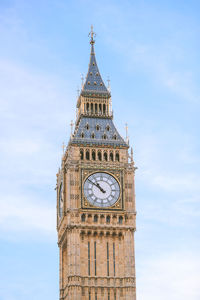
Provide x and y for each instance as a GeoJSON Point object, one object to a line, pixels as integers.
{"type": "Point", "coordinates": [96, 201]}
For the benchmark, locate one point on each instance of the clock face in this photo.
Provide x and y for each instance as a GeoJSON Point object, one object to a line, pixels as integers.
{"type": "Point", "coordinates": [101, 189]}
{"type": "Point", "coordinates": [61, 200]}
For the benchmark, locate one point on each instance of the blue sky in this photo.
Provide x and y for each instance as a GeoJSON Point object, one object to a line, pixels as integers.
{"type": "Point", "coordinates": [151, 52]}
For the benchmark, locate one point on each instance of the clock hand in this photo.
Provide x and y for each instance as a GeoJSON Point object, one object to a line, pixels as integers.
{"type": "Point", "coordinates": [97, 185]}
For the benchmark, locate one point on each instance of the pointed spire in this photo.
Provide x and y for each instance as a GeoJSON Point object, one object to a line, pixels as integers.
{"type": "Point", "coordinates": [93, 82]}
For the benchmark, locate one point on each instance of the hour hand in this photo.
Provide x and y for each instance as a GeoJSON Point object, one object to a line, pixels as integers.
{"type": "Point", "coordinates": [97, 185]}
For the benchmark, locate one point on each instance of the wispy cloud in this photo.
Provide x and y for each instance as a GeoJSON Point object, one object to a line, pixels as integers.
{"type": "Point", "coordinates": [172, 276]}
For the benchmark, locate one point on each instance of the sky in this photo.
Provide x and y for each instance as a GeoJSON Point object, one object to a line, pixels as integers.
{"type": "Point", "coordinates": [150, 50]}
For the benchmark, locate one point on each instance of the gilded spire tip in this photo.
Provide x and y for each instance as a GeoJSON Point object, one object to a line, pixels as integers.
{"type": "Point", "coordinates": [92, 34]}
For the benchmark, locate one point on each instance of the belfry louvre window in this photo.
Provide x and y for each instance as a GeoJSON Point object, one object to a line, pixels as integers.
{"type": "Point", "coordinates": [117, 156]}
{"type": "Point", "coordinates": [93, 155]}
{"type": "Point", "coordinates": [81, 154]}
{"type": "Point", "coordinates": [111, 156]}
{"type": "Point", "coordinates": [87, 155]}
{"type": "Point", "coordinates": [105, 156]}
{"type": "Point", "coordinates": [99, 155]}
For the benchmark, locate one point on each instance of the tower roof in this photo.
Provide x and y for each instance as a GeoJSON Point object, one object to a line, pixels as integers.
{"type": "Point", "coordinates": [94, 83]}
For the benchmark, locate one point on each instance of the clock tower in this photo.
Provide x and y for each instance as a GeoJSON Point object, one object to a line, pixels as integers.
{"type": "Point", "coordinates": [96, 201]}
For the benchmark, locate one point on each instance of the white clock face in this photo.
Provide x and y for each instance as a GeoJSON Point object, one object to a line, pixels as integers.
{"type": "Point", "coordinates": [61, 200]}
{"type": "Point", "coordinates": [101, 189]}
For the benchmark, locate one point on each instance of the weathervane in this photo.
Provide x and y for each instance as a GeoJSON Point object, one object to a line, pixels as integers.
{"type": "Point", "coordinates": [92, 34]}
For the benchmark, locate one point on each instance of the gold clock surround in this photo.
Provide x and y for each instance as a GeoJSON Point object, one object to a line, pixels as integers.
{"type": "Point", "coordinates": [117, 174]}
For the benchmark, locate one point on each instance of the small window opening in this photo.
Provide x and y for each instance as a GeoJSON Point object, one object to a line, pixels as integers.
{"type": "Point", "coordinates": [88, 82]}
{"type": "Point", "coordinates": [95, 218]}
{"type": "Point", "coordinates": [92, 108]}
{"type": "Point", "coordinates": [100, 108]}
{"type": "Point", "coordinates": [83, 217]}
{"type": "Point", "coordinates": [107, 127]}
{"type": "Point", "coordinates": [104, 137]}
{"type": "Point", "coordinates": [95, 83]}
{"type": "Point", "coordinates": [95, 108]}
{"type": "Point", "coordinates": [92, 136]}
{"type": "Point", "coordinates": [87, 126]}
{"type": "Point", "coordinates": [120, 220]}
{"type": "Point", "coordinates": [82, 135]}
{"type": "Point", "coordinates": [97, 127]}
{"type": "Point", "coordinates": [87, 107]}
{"type": "Point", "coordinates": [114, 137]}
{"type": "Point", "coordinates": [108, 219]}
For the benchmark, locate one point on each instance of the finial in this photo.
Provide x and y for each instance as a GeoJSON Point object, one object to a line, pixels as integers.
{"type": "Point", "coordinates": [82, 80]}
{"type": "Point", "coordinates": [92, 34]}
{"type": "Point", "coordinates": [78, 91]}
{"type": "Point", "coordinates": [131, 154]}
{"type": "Point", "coordinates": [127, 139]}
{"type": "Point", "coordinates": [72, 125]}
{"type": "Point", "coordinates": [63, 148]}
{"type": "Point", "coordinates": [108, 80]}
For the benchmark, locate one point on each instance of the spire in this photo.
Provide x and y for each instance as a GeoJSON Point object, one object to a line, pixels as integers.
{"type": "Point", "coordinates": [93, 82]}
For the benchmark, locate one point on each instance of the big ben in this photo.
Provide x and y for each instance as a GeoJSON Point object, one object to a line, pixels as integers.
{"type": "Point", "coordinates": [96, 201]}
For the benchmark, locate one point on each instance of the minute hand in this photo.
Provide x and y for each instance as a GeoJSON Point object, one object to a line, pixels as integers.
{"type": "Point", "coordinates": [97, 185]}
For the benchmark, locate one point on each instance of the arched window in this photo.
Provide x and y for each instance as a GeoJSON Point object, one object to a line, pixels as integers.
{"type": "Point", "coordinates": [114, 137]}
{"type": "Point", "coordinates": [117, 156]}
{"type": "Point", "coordinates": [108, 219]}
{"type": "Point", "coordinates": [105, 155]}
{"type": "Point", "coordinates": [107, 127]}
{"type": "Point", "coordinates": [87, 107]}
{"type": "Point", "coordinates": [93, 135]}
{"type": "Point", "coordinates": [120, 220]}
{"type": "Point", "coordinates": [97, 127]}
{"type": "Point", "coordinates": [95, 218]}
{"type": "Point", "coordinates": [99, 155]}
{"type": "Point", "coordinates": [104, 136]}
{"type": "Point", "coordinates": [87, 155]}
{"type": "Point", "coordinates": [93, 155]}
{"type": "Point", "coordinates": [104, 108]}
{"type": "Point", "coordinates": [83, 217]}
{"type": "Point", "coordinates": [111, 156]}
{"type": "Point", "coordinates": [81, 154]}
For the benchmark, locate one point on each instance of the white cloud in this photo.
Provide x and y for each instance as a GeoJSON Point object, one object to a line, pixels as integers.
{"type": "Point", "coordinates": [173, 276]}
{"type": "Point", "coordinates": [19, 213]}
